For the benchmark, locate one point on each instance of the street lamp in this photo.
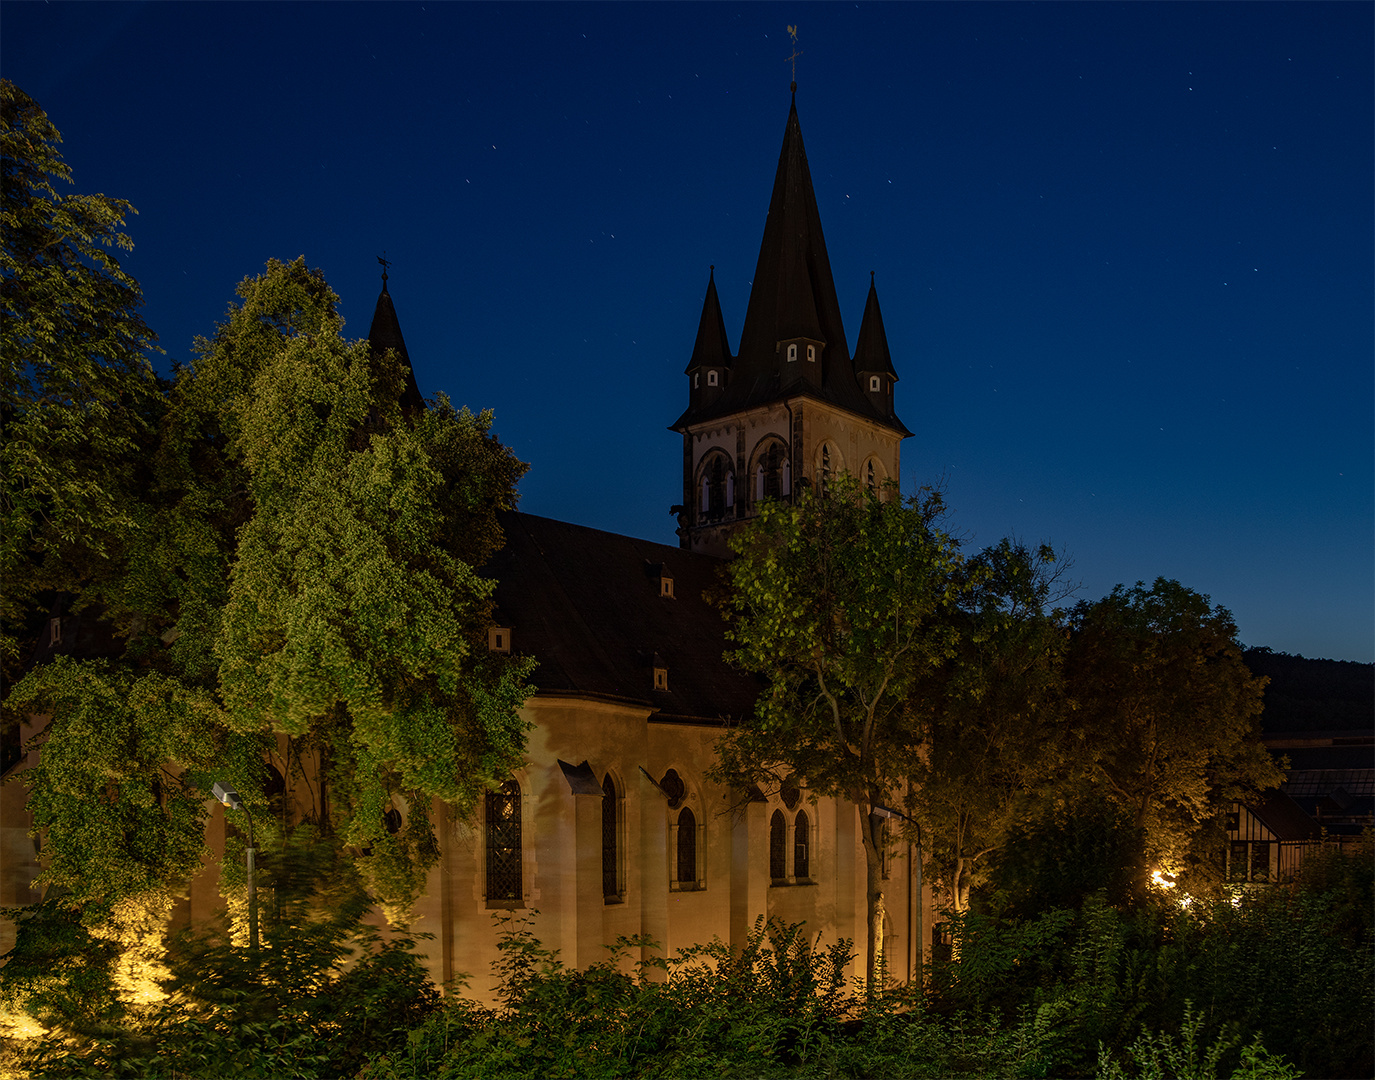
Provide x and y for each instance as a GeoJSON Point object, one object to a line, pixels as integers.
{"type": "Point", "coordinates": [227, 795]}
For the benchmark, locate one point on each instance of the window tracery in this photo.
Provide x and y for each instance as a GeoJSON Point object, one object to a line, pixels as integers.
{"type": "Point", "coordinates": [504, 882]}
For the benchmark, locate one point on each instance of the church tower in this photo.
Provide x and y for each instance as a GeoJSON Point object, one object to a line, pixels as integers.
{"type": "Point", "coordinates": [793, 407]}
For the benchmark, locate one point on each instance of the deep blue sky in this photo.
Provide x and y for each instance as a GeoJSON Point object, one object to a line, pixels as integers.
{"type": "Point", "coordinates": [1124, 252]}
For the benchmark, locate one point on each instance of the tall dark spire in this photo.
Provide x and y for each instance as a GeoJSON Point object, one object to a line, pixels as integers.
{"type": "Point", "coordinates": [384, 334]}
{"type": "Point", "coordinates": [793, 341]}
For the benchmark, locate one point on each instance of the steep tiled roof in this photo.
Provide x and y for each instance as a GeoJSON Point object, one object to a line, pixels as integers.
{"type": "Point", "coordinates": [385, 333]}
{"type": "Point", "coordinates": [793, 296]}
{"type": "Point", "coordinates": [587, 605]}
{"type": "Point", "coordinates": [1285, 818]}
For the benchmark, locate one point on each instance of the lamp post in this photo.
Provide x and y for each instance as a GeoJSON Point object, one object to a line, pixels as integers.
{"type": "Point", "coordinates": [227, 795]}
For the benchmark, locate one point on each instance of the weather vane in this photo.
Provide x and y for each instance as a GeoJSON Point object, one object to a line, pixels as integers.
{"type": "Point", "coordinates": [383, 260]}
{"type": "Point", "coordinates": [792, 32]}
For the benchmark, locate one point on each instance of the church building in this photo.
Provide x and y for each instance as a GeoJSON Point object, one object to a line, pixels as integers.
{"type": "Point", "coordinates": [612, 826]}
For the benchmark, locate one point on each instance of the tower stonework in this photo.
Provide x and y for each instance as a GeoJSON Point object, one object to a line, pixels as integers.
{"type": "Point", "coordinates": [793, 407]}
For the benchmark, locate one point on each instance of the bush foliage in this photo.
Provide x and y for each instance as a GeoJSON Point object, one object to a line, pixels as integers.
{"type": "Point", "coordinates": [1274, 986]}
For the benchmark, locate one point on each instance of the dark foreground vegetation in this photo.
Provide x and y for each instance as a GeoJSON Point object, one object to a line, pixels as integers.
{"type": "Point", "coordinates": [1276, 985]}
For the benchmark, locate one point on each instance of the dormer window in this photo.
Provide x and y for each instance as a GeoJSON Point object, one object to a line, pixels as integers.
{"type": "Point", "coordinates": [792, 353]}
{"type": "Point", "coordinates": [499, 639]}
{"type": "Point", "coordinates": [54, 632]}
{"type": "Point", "coordinates": [811, 352]}
{"type": "Point", "coordinates": [711, 378]}
{"type": "Point", "coordinates": [666, 585]}
{"type": "Point", "coordinates": [696, 379]}
{"type": "Point", "coordinates": [875, 383]}
{"type": "Point", "coordinates": [660, 673]}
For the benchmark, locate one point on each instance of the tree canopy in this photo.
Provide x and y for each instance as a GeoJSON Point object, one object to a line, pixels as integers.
{"type": "Point", "coordinates": [79, 402]}
{"type": "Point", "coordinates": [838, 599]}
{"type": "Point", "coordinates": [285, 561]}
{"type": "Point", "coordinates": [1167, 718]}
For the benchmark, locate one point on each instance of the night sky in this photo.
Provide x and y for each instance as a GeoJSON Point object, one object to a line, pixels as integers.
{"type": "Point", "coordinates": [1124, 252]}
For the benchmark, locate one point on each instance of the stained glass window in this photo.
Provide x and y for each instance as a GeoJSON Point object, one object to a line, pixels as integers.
{"type": "Point", "coordinates": [503, 843]}
{"type": "Point", "coordinates": [687, 847]}
{"type": "Point", "coordinates": [778, 847]}
{"type": "Point", "coordinates": [610, 876]}
{"type": "Point", "coordinates": [801, 836]}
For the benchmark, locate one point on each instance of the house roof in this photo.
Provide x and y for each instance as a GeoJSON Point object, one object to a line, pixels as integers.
{"type": "Point", "coordinates": [587, 605]}
{"type": "Point", "coordinates": [793, 296]}
{"type": "Point", "coordinates": [385, 333]}
{"type": "Point", "coordinates": [1285, 818]}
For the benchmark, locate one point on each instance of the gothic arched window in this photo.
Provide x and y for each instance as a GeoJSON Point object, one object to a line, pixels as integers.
{"type": "Point", "coordinates": [687, 847]}
{"type": "Point", "coordinates": [611, 885]}
{"type": "Point", "coordinates": [778, 847]}
{"type": "Point", "coordinates": [870, 481]}
{"type": "Point", "coordinates": [503, 844]}
{"type": "Point", "coordinates": [801, 847]}
{"type": "Point", "coordinates": [825, 468]}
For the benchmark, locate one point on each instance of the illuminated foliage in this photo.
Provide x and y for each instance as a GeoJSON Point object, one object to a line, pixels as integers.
{"type": "Point", "coordinates": [78, 399]}
{"type": "Point", "coordinates": [1167, 718]}
{"type": "Point", "coordinates": [285, 563]}
{"type": "Point", "coordinates": [838, 600]}
{"type": "Point", "coordinates": [992, 711]}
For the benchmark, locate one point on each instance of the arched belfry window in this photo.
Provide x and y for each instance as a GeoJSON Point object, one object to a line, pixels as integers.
{"type": "Point", "coordinates": [811, 352]}
{"type": "Point", "coordinates": [792, 352]}
{"type": "Point", "coordinates": [778, 847]}
{"type": "Point", "coordinates": [687, 847]}
{"type": "Point", "coordinates": [611, 883]}
{"type": "Point", "coordinates": [772, 473]}
{"type": "Point", "coordinates": [801, 846]}
{"type": "Point", "coordinates": [717, 488]}
{"type": "Point", "coordinates": [504, 883]}
{"type": "Point", "coordinates": [711, 378]}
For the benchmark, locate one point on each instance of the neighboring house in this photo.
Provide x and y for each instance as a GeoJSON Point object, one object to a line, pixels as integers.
{"type": "Point", "coordinates": [1327, 798]}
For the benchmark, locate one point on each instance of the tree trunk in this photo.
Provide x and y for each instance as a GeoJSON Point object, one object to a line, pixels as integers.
{"type": "Point", "coordinates": [873, 892]}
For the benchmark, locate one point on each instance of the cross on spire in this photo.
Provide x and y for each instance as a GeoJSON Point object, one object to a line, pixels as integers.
{"type": "Point", "coordinates": [792, 32]}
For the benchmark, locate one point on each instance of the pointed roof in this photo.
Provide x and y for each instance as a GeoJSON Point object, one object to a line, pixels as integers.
{"type": "Point", "coordinates": [385, 333]}
{"type": "Point", "coordinates": [871, 350]}
{"type": "Point", "coordinates": [712, 348]}
{"type": "Point", "coordinates": [793, 296]}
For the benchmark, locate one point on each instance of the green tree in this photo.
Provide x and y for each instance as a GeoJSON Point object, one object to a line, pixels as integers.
{"type": "Point", "coordinates": [1167, 719]}
{"type": "Point", "coordinates": [79, 401]}
{"type": "Point", "coordinates": [304, 585]}
{"type": "Point", "coordinates": [840, 600]}
{"type": "Point", "coordinates": [992, 709]}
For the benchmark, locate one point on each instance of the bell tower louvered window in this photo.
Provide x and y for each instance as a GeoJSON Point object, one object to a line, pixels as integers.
{"type": "Point", "coordinates": [503, 844]}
